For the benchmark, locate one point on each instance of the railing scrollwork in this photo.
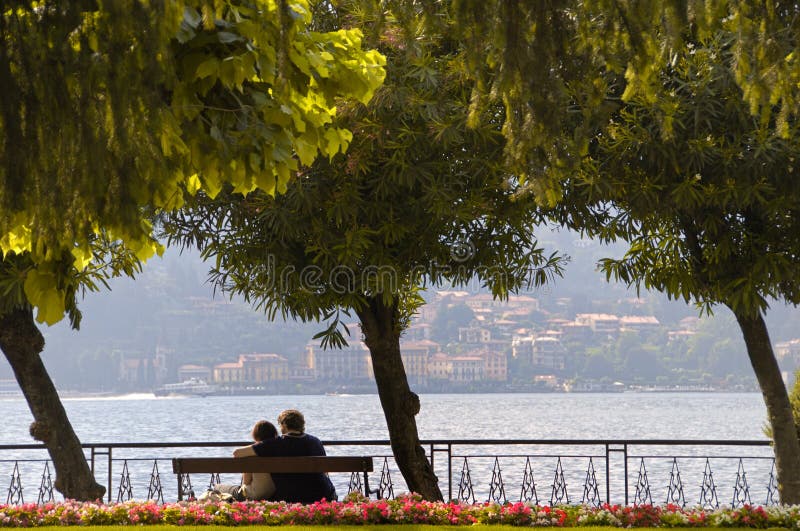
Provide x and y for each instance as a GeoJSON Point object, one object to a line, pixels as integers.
{"type": "Point", "coordinates": [470, 471]}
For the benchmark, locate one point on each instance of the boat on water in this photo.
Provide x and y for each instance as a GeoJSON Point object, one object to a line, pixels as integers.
{"type": "Point", "coordinates": [190, 387]}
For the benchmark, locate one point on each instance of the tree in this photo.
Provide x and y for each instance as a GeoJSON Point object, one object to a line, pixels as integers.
{"type": "Point", "coordinates": [703, 191]}
{"type": "Point", "coordinates": [110, 112]}
{"type": "Point", "coordinates": [419, 199]}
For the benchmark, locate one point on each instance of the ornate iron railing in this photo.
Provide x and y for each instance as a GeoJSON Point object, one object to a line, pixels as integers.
{"type": "Point", "coordinates": [708, 473]}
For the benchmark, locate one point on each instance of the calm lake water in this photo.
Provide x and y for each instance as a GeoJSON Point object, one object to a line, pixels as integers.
{"type": "Point", "coordinates": [144, 418]}
{"type": "Point", "coordinates": [671, 416]}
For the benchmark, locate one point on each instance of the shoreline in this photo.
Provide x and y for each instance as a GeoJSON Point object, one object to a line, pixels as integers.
{"type": "Point", "coordinates": [77, 395]}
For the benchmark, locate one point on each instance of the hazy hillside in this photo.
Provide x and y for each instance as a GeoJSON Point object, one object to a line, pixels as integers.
{"type": "Point", "coordinates": [171, 305]}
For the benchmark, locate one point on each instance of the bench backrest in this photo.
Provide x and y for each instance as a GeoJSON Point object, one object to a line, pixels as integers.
{"type": "Point", "coordinates": [296, 465]}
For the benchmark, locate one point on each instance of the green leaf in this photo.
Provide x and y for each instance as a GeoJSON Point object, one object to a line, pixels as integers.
{"type": "Point", "coordinates": [306, 151]}
{"type": "Point", "coordinates": [40, 289]}
{"type": "Point", "coordinates": [209, 67]}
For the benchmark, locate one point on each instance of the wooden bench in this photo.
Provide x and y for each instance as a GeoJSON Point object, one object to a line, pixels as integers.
{"type": "Point", "coordinates": [183, 466]}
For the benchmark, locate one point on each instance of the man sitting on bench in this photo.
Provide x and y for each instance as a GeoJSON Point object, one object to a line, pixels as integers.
{"type": "Point", "coordinates": [294, 442]}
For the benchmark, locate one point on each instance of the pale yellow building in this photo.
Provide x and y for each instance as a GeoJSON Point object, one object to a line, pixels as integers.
{"type": "Point", "coordinates": [253, 369]}
{"type": "Point", "coordinates": [466, 369]}
{"type": "Point", "coordinates": [228, 373]}
{"type": "Point", "coordinates": [544, 352]}
{"type": "Point", "coordinates": [639, 323]}
{"type": "Point", "coordinates": [600, 323]}
{"type": "Point", "coordinates": [348, 363]}
{"type": "Point", "coordinates": [416, 355]}
{"type": "Point", "coordinates": [495, 366]}
{"type": "Point", "coordinates": [439, 367]}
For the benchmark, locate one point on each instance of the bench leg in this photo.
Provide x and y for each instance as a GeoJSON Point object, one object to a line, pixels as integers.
{"type": "Point", "coordinates": [185, 486]}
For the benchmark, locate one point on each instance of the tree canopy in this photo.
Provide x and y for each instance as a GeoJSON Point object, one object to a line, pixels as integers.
{"type": "Point", "coordinates": [549, 64]}
{"type": "Point", "coordinates": [111, 111]}
{"type": "Point", "coordinates": [703, 190]}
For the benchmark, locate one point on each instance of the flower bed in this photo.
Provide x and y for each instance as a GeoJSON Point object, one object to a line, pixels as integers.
{"type": "Point", "coordinates": [403, 510]}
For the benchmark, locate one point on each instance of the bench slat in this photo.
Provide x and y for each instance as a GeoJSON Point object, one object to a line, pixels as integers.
{"type": "Point", "coordinates": [297, 465]}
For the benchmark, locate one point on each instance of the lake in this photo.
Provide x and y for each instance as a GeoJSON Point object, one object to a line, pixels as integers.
{"type": "Point", "coordinates": [616, 416]}
{"type": "Point", "coordinates": [144, 418]}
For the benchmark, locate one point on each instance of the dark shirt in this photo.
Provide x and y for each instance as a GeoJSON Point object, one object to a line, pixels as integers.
{"type": "Point", "coordinates": [297, 488]}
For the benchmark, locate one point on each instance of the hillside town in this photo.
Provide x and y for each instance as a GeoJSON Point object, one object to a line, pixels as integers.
{"type": "Point", "coordinates": [463, 341]}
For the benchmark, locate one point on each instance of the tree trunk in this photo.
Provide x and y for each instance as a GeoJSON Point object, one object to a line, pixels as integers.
{"type": "Point", "coordinates": [400, 405]}
{"type": "Point", "coordinates": [779, 409]}
{"type": "Point", "coordinates": [22, 342]}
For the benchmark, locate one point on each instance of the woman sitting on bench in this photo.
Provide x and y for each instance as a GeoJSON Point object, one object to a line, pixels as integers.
{"type": "Point", "coordinates": [259, 485]}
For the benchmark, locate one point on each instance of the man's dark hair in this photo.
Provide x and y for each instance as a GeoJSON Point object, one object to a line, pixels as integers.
{"type": "Point", "coordinates": [292, 420]}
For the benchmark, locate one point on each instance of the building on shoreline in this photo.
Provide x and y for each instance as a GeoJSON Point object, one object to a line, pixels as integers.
{"type": "Point", "coordinates": [252, 370]}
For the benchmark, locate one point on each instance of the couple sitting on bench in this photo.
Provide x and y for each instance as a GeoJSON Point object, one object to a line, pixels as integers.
{"type": "Point", "coordinates": [293, 442]}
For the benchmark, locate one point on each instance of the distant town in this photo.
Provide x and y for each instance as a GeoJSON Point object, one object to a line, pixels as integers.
{"type": "Point", "coordinates": [168, 332]}
{"type": "Point", "coordinates": [464, 342]}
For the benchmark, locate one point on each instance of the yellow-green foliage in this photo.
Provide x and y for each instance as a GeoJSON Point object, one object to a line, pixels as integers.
{"type": "Point", "coordinates": [111, 113]}
{"type": "Point", "coordinates": [548, 64]}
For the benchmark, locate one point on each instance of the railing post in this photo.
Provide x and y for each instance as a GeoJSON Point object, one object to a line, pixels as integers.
{"type": "Point", "coordinates": [449, 471]}
{"type": "Point", "coordinates": [110, 480]}
{"type": "Point", "coordinates": [449, 451]}
{"type": "Point", "coordinates": [93, 454]}
{"type": "Point", "coordinates": [625, 461]}
{"type": "Point", "coordinates": [608, 473]}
